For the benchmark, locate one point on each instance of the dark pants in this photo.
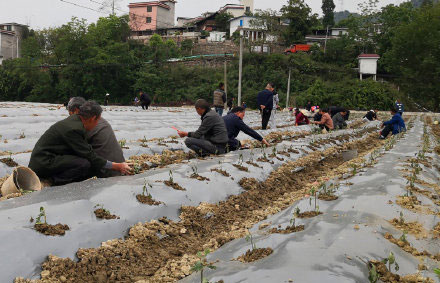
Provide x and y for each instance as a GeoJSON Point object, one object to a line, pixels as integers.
{"type": "Point", "coordinates": [204, 147]}
{"type": "Point", "coordinates": [145, 104]}
{"type": "Point", "coordinates": [386, 131]}
{"type": "Point", "coordinates": [265, 117]}
{"type": "Point", "coordinates": [233, 145]}
{"type": "Point", "coordinates": [324, 127]}
{"type": "Point", "coordinates": [219, 111]}
{"type": "Point", "coordinates": [77, 170]}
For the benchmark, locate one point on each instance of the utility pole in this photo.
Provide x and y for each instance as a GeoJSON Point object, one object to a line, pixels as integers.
{"type": "Point", "coordinates": [240, 70]}
{"type": "Point", "coordinates": [226, 78]}
{"type": "Point", "coordinates": [288, 89]}
{"type": "Point", "coordinates": [113, 7]}
{"type": "Point", "coordinates": [325, 45]}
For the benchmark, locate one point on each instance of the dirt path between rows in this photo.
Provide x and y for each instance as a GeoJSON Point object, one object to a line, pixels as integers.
{"type": "Point", "coordinates": [164, 251]}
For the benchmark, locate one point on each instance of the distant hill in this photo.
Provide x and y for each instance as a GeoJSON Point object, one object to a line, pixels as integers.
{"type": "Point", "coordinates": [339, 16]}
{"type": "Point", "coordinates": [418, 3]}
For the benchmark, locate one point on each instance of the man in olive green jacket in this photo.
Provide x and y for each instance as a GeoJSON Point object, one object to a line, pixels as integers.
{"type": "Point", "coordinates": [63, 154]}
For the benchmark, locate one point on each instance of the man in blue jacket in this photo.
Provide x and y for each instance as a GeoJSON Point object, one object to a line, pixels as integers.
{"type": "Point", "coordinates": [396, 125]}
{"type": "Point", "coordinates": [265, 104]}
{"type": "Point", "coordinates": [234, 124]}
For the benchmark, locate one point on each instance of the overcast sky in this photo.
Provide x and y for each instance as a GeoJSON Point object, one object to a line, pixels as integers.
{"type": "Point", "coordinates": [51, 13]}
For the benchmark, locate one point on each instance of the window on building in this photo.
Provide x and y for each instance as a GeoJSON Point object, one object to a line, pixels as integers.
{"type": "Point", "coordinates": [149, 9]}
{"type": "Point", "coordinates": [9, 28]}
{"type": "Point", "coordinates": [248, 9]}
{"type": "Point", "coordinates": [148, 20]}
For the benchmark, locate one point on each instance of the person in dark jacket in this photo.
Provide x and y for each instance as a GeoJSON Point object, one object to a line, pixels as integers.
{"type": "Point", "coordinates": [265, 104]}
{"type": "Point", "coordinates": [309, 106]}
{"type": "Point", "coordinates": [102, 139]}
{"type": "Point", "coordinates": [395, 126]}
{"type": "Point", "coordinates": [234, 124]}
{"type": "Point", "coordinates": [211, 137]}
{"type": "Point", "coordinates": [63, 154]}
{"type": "Point", "coordinates": [145, 100]}
{"type": "Point", "coordinates": [220, 99]}
{"type": "Point", "coordinates": [339, 120]}
{"type": "Point", "coordinates": [333, 110]}
{"type": "Point", "coordinates": [230, 103]}
{"type": "Point", "coordinates": [300, 118]}
{"type": "Point", "coordinates": [399, 107]}
{"type": "Point", "coordinates": [371, 115]}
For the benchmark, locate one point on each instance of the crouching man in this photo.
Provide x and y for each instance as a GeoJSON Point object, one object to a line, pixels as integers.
{"type": "Point", "coordinates": [62, 153]}
{"type": "Point", "coordinates": [101, 138]}
{"type": "Point", "coordinates": [211, 137]}
{"type": "Point", "coordinates": [395, 126]}
{"type": "Point", "coordinates": [234, 124]}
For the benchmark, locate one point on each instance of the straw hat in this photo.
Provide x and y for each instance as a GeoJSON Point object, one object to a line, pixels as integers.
{"type": "Point", "coordinates": [22, 178]}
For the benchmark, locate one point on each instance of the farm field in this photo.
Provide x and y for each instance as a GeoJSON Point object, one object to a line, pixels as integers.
{"type": "Point", "coordinates": [297, 211]}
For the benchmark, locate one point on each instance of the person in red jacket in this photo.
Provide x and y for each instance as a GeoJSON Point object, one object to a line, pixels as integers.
{"type": "Point", "coordinates": [301, 119]}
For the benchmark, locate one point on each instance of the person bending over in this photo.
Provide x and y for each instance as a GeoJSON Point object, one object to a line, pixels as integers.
{"type": "Point", "coordinates": [300, 118]}
{"type": "Point", "coordinates": [145, 100]}
{"type": "Point", "coordinates": [211, 137]}
{"type": "Point", "coordinates": [326, 121]}
{"type": "Point", "coordinates": [234, 124]}
{"type": "Point", "coordinates": [396, 125]}
{"type": "Point", "coordinates": [101, 138]}
{"type": "Point", "coordinates": [62, 153]}
{"type": "Point", "coordinates": [371, 115]}
{"type": "Point", "coordinates": [339, 120]}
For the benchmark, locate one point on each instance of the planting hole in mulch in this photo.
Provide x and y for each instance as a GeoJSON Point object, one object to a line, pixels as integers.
{"type": "Point", "coordinates": [9, 162]}
{"type": "Point", "coordinates": [240, 167]}
{"type": "Point", "coordinates": [51, 230]}
{"type": "Point", "coordinates": [104, 214]}
{"type": "Point", "coordinates": [174, 185]}
{"type": "Point", "coordinates": [387, 276]}
{"type": "Point", "coordinates": [255, 254]}
{"type": "Point", "coordinates": [327, 197]}
{"type": "Point", "coordinates": [198, 177]}
{"type": "Point", "coordinates": [309, 214]}
{"type": "Point", "coordinates": [147, 200]}
{"type": "Point", "coordinates": [254, 164]}
{"type": "Point", "coordinates": [220, 171]}
{"type": "Point", "coordinates": [288, 230]}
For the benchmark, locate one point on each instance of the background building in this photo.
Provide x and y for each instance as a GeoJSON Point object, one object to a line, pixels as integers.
{"type": "Point", "coordinates": [11, 36]}
{"type": "Point", "coordinates": [147, 18]}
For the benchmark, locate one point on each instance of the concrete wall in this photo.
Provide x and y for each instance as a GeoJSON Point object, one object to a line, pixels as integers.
{"type": "Point", "coordinates": [165, 17]}
{"type": "Point", "coordinates": [248, 3]}
{"type": "Point", "coordinates": [235, 24]}
{"type": "Point", "coordinates": [8, 46]}
{"type": "Point", "coordinates": [138, 18]}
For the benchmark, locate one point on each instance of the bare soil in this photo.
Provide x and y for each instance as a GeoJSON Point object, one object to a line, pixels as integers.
{"type": "Point", "coordinates": [198, 177]}
{"type": "Point", "coordinates": [222, 172]}
{"type": "Point", "coordinates": [249, 183]}
{"type": "Point", "coordinates": [388, 277]}
{"type": "Point", "coordinates": [104, 214]}
{"type": "Point", "coordinates": [288, 230]}
{"type": "Point", "coordinates": [159, 251]}
{"type": "Point", "coordinates": [52, 230]}
{"type": "Point", "coordinates": [240, 167]}
{"type": "Point", "coordinates": [309, 214]}
{"type": "Point", "coordinates": [147, 200]}
{"type": "Point", "coordinates": [327, 197]}
{"type": "Point", "coordinates": [9, 162]}
{"type": "Point", "coordinates": [254, 164]}
{"type": "Point", "coordinates": [405, 245]}
{"type": "Point", "coordinates": [174, 185]}
{"type": "Point", "coordinates": [255, 254]}
{"type": "Point", "coordinates": [413, 228]}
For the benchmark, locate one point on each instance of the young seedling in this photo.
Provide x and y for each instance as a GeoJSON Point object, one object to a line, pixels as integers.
{"type": "Point", "coordinates": [274, 151]}
{"type": "Point", "coordinates": [437, 272]}
{"type": "Point", "coordinates": [144, 142]}
{"type": "Point", "coordinates": [354, 169]}
{"type": "Point", "coordinates": [373, 276]}
{"type": "Point", "coordinates": [101, 206]}
{"type": "Point", "coordinates": [314, 193]}
{"type": "Point", "coordinates": [391, 260]}
{"type": "Point", "coordinates": [294, 216]}
{"type": "Point", "coordinates": [194, 169]}
{"type": "Point", "coordinates": [202, 264]}
{"type": "Point", "coordinates": [250, 239]}
{"type": "Point", "coordinates": [401, 219]}
{"type": "Point", "coordinates": [171, 176]}
{"type": "Point", "coordinates": [251, 158]}
{"type": "Point", "coordinates": [240, 159]}
{"type": "Point", "coordinates": [403, 237]}
{"type": "Point", "coordinates": [40, 216]}
{"type": "Point", "coordinates": [22, 135]}
{"type": "Point", "coordinates": [145, 189]}
{"type": "Point", "coordinates": [122, 143]}
{"type": "Point", "coordinates": [137, 168]}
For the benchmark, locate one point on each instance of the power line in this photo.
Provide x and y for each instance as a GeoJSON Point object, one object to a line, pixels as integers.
{"type": "Point", "coordinates": [81, 6]}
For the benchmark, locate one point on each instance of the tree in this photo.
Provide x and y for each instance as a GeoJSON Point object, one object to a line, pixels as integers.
{"type": "Point", "coordinates": [222, 21]}
{"type": "Point", "coordinates": [299, 16]}
{"type": "Point", "coordinates": [328, 8]}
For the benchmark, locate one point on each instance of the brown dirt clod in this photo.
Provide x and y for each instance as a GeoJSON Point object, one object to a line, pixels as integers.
{"type": "Point", "coordinates": [288, 230]}
{"type": "Point", "coordinates": [174, 185]}
{"type": "Point", "coordinates": [255, 254]}
{"type": "Point", "coordinates": [240, 167]}
{"type": "Point", "coordinates": [147, 200]}
{"type": "Point", "coordinates": [9, 162]}
{"type": "Point", "coordinates": [199, 178]}
{"type": "Point", "coordinates": [309, 214]}
{"type": "Point", "coordinates": [327, 197]}
{"type": "Point", "coordinates": [51, 230]}
{"type": "Point", "coordinates": [222, 172]}
{"type": "Point", "coordinates": [104, 214]}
